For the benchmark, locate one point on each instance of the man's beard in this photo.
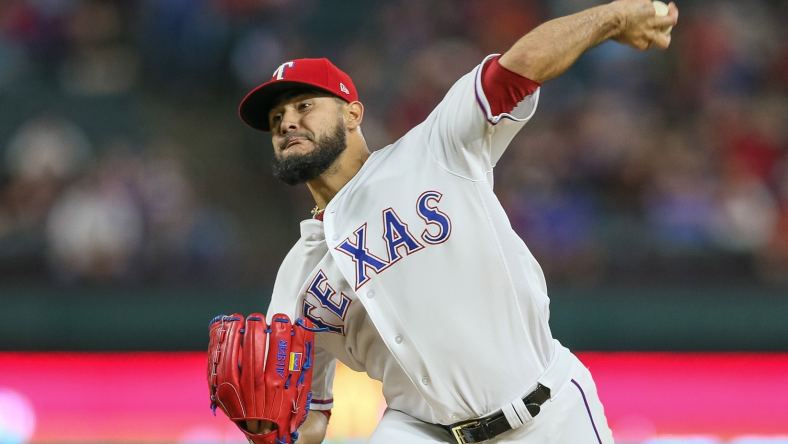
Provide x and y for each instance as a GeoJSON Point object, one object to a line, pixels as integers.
{"type": "Point", "coordinates": [295, 169]}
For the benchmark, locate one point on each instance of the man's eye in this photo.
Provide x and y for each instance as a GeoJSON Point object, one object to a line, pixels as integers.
{"type": "Point", "coordinates": [304, 106]}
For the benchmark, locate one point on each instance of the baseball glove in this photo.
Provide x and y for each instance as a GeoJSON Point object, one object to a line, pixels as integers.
{"type": "Point", "coordinates": [261, 372]}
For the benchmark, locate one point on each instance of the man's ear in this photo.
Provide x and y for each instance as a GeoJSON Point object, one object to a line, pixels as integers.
{"type": "Point", "coordinates": [354, 114]}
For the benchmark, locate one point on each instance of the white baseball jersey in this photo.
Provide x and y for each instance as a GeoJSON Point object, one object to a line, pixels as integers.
{"type": "Point", "coordinates": [418, 275]}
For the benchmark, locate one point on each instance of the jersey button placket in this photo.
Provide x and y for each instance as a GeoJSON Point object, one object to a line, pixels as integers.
{"type": "Point", "coordinates": [398, 339]}
{"type": "Point", "coordinates": [425, 380]}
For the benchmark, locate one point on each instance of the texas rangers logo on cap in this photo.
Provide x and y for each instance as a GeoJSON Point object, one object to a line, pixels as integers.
{"type": "Point", "coordinates": [279, 73]}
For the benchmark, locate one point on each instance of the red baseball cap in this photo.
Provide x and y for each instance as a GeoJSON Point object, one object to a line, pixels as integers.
{"type": "Point", "coordinates": [298, 73]}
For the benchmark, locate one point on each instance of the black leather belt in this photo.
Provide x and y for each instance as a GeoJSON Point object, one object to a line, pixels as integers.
{"type": "Point", "coordinates": [482, 429]}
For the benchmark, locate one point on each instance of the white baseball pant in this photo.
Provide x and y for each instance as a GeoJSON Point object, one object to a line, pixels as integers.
{"type": "Point", "coordinates": [573, 415]}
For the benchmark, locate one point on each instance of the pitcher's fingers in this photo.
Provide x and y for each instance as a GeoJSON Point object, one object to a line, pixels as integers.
{"type": "Point", "coordinates": [664, 21]}
{"type": "Point", "coordinates": [258, 427]}
{"type": "Point", "coordinates": [673, 10]}
{"type": "Point", "coordinates": [660, 40]}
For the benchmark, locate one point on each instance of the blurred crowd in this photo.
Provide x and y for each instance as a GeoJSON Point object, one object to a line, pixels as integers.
{"type": "Point", "coordinates": [122, 161]}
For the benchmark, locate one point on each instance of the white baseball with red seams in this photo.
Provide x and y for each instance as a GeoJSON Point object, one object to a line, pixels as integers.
{"type": "Point", "coordinates": [662, 9]}
{"type": "Point", "coordinates": [424, 285]}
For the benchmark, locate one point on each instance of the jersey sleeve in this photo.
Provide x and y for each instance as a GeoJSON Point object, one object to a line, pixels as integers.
{"type": "Point", "coordinates": [470, 129]}
{"type": "Point", "coordinates": [323, 380]}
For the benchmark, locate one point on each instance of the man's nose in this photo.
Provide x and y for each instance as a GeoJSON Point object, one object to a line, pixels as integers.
{"type": "Point", "coordinates": [289, 122]}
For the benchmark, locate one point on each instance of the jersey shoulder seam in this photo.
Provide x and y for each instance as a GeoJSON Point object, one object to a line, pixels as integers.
{"type": "Point", "coordinates": [454, 173]}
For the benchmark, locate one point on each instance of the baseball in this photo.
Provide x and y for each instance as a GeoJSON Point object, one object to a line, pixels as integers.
{"type": "Point", "coordinates": [661, 9]}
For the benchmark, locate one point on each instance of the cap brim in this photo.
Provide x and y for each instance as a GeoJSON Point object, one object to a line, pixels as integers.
{"type": "Point", "coordinates": [254, 108]}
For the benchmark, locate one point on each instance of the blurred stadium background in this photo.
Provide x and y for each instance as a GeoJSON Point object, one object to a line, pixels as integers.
{"type": "Point", "coordinates": [134, 205]}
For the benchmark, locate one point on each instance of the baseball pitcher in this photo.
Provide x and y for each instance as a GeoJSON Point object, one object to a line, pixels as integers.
{"type": "Point", "coordinates": [409, 269]}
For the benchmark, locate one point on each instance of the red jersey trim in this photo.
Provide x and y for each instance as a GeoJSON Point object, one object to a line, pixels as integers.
{"type": "Point", "coordinates": [500, 91]}
{"type": "Point", "coordinates": [503, 88]}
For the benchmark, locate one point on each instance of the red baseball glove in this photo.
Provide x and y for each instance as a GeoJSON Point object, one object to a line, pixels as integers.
{"type": "Point", "coordinates": [262, 372]}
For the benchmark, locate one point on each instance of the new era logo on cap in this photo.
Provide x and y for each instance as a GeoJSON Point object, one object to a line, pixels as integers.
{"type": "Point", "coordinates": [299, 73]}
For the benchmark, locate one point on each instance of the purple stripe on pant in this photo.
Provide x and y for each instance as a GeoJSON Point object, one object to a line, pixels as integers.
{"type": "Point", "coordinates": [588, 409]}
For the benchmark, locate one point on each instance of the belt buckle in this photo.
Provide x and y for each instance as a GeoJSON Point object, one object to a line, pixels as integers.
{"type": "Point", "coordinates": [457, 431]}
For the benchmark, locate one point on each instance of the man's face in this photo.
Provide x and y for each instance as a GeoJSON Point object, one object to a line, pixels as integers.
{"type": "Point", "coordinates": [308, 134]}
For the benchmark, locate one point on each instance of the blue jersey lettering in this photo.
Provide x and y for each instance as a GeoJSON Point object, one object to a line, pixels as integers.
{"type": "Point", "coordinates": [326, 296]}
{"type": "Point", "coordinates": [361, 256]}
{"type": "Point", "coordinates": [427, 208]}
{"type": "Point", "coordinates": [396, 235]}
